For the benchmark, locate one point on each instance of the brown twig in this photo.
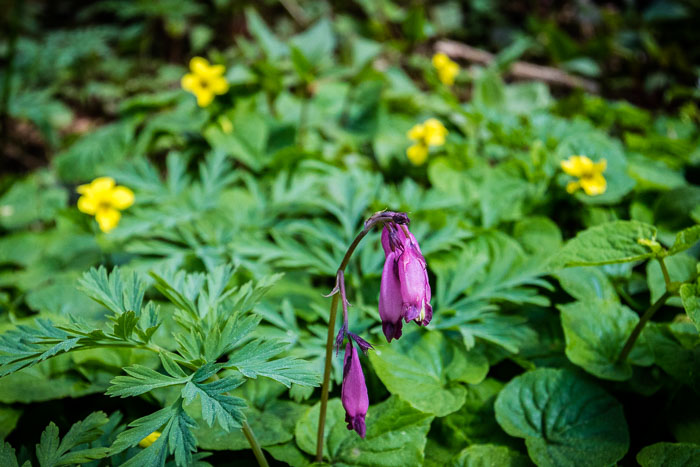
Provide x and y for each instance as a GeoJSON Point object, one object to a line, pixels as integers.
{"type": "Point", "coordinates": [518, 70]}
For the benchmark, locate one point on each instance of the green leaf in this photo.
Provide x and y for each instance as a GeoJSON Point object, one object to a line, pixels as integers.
{"type": "Point", "coordinates": [475, 421]}
{"type": "Point", "coordinates": [670, 455]}
{"type": "Point", "coordinates": [141, 380]}
{"type": "Point", "coordinates": [396, 435]}
{"type": "Point", "coordinates": [487, 455]}
{"type": "Point", "coordinates": [274, 424]}
{"type": "Point", "coordinates": [273, 47]}
{"type": "Point", "coordinates": [595, 332]}
{"type": "Point", "coordinates": [216, 405]}
{"type": "Point", "coordinates": [685, 239]}
{"type": "Point", "coordinates": [50, 452]}
{"type": "Point", "coordinates": [673, 354]}
{"type": "Point", "coordinates": [691, 302]}
{"type": "Point", "coordinates": [680, 269]}
{"type": "Point", "coordinates": [8, 420]}
{"type": "Point", "coordinates": [425, 370]}
{"type": "Point", "coordinates": [613, 242]}
{"type": "Point", "coordinates": [7, 455]}
{"type": "Point", "coordinates": [586, 283]}
{"type": "Point", "coordinates": [564, 419]}
{"type": "Point", "coordinates": [118, 291]}
{"type": "Point", "coordinates": [316, 43]}
{"type": "Point", "coordinates": [252, 360]}
{"type": "Point", "coordinates": [176, 437]}
{"type": "Point", "coordinates": [32, 199]}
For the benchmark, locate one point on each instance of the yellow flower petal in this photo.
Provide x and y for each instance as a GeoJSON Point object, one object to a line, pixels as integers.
{"type": "Point", "coordinates": [121, 197]}
{"type": "Point", "coordinates": [150, 439]}
{"type": "Point", "coordinates": [204, 97]}
{"type": "Point", "coordinates": [577, 166]}
{"type": "Point", "coordinates": [416, 133]}
{"type": "Point", "coordinates": [87, 205]}
{"type": "Point", "coordinates": [440, 60]}
{"type": "Point", "coordinates": [448, 73]}
{"type": "Point", "coordinates": [190, 82]}
{"type": "Point", "coordinates": [107, 218]}
{"type": "Point", "coordinates": [199, 66]}
{"type": "Point", "coordinates": [216, 70]}
{"type": "Point", "coordinates": [218, 85]}
{"type": "Point", "coordinates": [435, 132]}
{"type": "Point", "coordinates": [600, 166]}
{"type": "Point", "coordinates": [571, 187]}
{"type": "Point", "coordinates": [417, 154]}
{"type": "Point", "coordinates": [595, 185]}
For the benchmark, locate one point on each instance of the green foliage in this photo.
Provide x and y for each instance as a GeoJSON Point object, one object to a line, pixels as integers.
{"type": "Point", "coordinates": [564, 419]}
{"type": "Point", "coordinates": [203, 310]}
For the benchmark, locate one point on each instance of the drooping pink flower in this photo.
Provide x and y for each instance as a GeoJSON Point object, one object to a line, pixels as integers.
{"type": "Point", "coordinates": [354, 391]}
{"type": "Point", "coordinates": [404, 290]}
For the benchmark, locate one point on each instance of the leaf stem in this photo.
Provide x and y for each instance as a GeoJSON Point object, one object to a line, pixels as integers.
{"type": "Point", "coordinates": [379, 218]}
{"type": "Point", "coordinates": [640, 325]}
{"type": "Point", "coordinates": [250, 436]}
{"type": "Point", "coordinates": [664, 271]}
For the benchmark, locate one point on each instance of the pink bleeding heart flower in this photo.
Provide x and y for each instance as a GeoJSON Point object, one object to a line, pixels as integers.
{"type": "Point", "coordinates": [354, 391]}
{"type": "Point", "coordinates": [404, 291]}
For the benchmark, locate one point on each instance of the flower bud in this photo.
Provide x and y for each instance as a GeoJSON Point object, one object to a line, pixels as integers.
{"type": "Point", "coordinates": [354, 391]}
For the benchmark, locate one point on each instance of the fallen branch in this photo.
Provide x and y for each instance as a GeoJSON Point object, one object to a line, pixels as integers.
{"type": "Point", "coordinates": [519, 70]}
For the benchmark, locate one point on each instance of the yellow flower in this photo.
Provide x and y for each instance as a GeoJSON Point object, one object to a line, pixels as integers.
{"type": "Point", "coordinates": [103, 199]}
{"type": "Point", "coordinates": [589, 174]}
{"type": "Point", "coordinates": [150, 439]}
{"type": "Point", "coordinates": [205, 81]}
{"type": "Point", "coordinates": [434, 132]}
{"type": "Point", "coordinates": [446, 68]}
{"type": "Point", "coordinates": [429, 133]}
{"type": "Point", "coordinates": [417, 153]}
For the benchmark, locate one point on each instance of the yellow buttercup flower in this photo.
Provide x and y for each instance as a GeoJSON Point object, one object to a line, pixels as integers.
{"type": "Point", "coordinates": [427, 134]}
{"type": "Point", "coordinates": [205, 81]}
{"type": "Point", "coordinates": [417, 153]}
{"type": "Point", "coordinates": [446, 68]}
{"type": "Point", "coordinates": [150, 439]}
{"type": "Point", "coordinates": [104, 199]}
{"type": "Point", "coordinates": [589, 174]}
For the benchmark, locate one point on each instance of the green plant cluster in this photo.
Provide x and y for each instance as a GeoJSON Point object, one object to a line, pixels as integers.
{"type": "Point", "coordinates": [566, 326]}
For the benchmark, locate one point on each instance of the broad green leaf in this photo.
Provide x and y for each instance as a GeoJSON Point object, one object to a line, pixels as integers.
{"type": "Point", "coordinates": [35, 198]}
{"type": "Point", "coordinates": [685, 239]}
{"type": "Point", "coordinates": [595, 332]}
{"type": "Point", "coordinates": [565, 420]}
{"type": "Point", "coordinates": [691, 302]}
{"type": "Point", "coordinates": [613, 242]}
{"type": "Point", "coordinates": [396, 435]}
{"type": "Point", "coordinates": [586, 283]}
{"type": "Point", "coordinates": [273, 47]}
{"type": "Point", "coordinates": [487, 455]}
{"type": "Point", "coordinates": [672, 352]}
{"type": "Point", "coordinates": [426, 369]}
{"type": "Point", "coordinates": [538, 235]}
{"type": "Point", "coordinates": [316, 43]}
{"type": "Point", "coordinates": [8, 420]}
{"type": "Point", "coordinates": [474, 422]}
{"type": "Point", "coordinates": [670, 455]}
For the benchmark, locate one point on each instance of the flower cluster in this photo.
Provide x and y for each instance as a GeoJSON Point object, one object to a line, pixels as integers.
{"type": "Point", "coordinates": [589, 174]}
{"type": "Point", "coordinates": [446, 68]}
{"type": "Point", "coordinates": [404, 295]}
{"type": "Point", "coordinates": [205, 81]}
{"type": "Point", "coordinates": [103, 199]}
{"type": "Point", "coordinates": [425, 135]}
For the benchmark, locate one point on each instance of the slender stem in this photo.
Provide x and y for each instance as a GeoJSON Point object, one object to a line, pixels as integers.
{"type": "Point", "coordinates": [250, 436]}
{"type": "Point", "coordinates": [640, 325]}
{"type": "Point", "coordinates": [664, 270]}
{"type": "Point", "coordinates": [378, 219]}
{"type": "Point", "coordinates": [326, 379]}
